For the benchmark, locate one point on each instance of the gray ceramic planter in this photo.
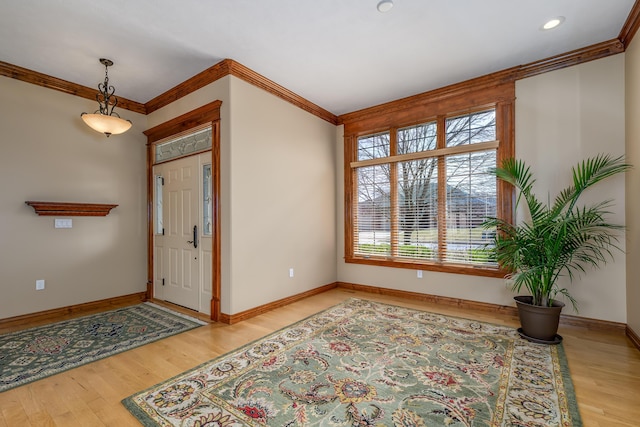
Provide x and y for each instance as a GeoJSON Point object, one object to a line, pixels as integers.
{"type": "Point", "coordinates": [539, 324]}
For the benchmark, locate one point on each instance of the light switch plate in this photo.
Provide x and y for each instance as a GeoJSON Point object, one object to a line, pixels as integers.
{"type": "Point", "coordinates": [63, 223]}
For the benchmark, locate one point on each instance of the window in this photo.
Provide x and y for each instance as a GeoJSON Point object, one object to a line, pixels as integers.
{"type": "Point", "coordinates": [159, 221]}
{"type": "Point", "coordinates": [207, 201]}
{"type": "Point", "coordinates": [417, 195]}
{"type": "Point", "coordinates": [182, 145]}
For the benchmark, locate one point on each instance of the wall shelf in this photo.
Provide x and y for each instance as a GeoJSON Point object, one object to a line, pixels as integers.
{"type": "Point", "coordinates": [70, 209]}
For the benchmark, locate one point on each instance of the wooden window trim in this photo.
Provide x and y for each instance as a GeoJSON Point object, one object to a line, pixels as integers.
{"type": "Point", "coordinates": [438, 152]}
{"type": "Point", "coordinates": [501, 97]}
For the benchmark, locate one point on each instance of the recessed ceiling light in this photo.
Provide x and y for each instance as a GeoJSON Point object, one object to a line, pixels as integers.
{"type": "Point", "coordinates": [385, 6]}
{"type": "Point", "coordinates": [553, 23]}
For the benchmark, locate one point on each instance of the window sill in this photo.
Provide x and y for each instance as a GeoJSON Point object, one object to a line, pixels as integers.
{"type": "Point", "coordinates": [430, 266]}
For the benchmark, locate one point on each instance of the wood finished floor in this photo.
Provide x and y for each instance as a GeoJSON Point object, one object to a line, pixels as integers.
{"type": "Point", "coordinates": [605, 368]}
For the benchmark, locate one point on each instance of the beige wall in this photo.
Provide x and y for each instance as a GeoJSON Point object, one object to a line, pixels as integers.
{"type": "Point", "coordinates": [284, 167]}
{"type": "Point", "coordinates": [278, 201]}
{"type": "Point", "coordinates": [48, 154]}
{"type": "Point", "coordinates": [216, 91]}
{"type": "Point", "coordinates": [632, 86]}
{"type": "Point", "coordinates": [566, 116]}
{"type": "Point", "coordinates": [283, 199]}
{"type": "Point", "coordinates": [561, 117]}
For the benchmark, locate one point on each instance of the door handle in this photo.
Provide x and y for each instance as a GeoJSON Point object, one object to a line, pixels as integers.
{"type": "Point", "coordinates": [195, 237]}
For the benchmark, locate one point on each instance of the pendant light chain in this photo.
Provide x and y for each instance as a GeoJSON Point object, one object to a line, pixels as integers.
{"type": "Point", "coordinates": [107, 92]}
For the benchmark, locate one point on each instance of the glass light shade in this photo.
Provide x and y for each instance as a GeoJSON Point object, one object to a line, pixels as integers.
{"type": "Point", "coordinates": [109, 125]}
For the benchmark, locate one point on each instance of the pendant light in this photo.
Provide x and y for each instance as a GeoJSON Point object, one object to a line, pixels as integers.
{"type": "Point", "coordinates": [104, 119]}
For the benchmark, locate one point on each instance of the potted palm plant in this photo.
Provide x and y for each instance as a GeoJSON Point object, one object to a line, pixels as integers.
{"type": "Point", "coordinates": [558, 239]}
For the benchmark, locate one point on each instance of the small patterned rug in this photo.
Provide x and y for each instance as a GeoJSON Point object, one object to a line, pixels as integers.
{"type": "Point", "coordinates": [39, 352]}
{"type": "Point", "coordinates": [363, 363]}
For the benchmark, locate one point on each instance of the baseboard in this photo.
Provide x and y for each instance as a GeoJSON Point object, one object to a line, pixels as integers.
{"type": "Point", "coordinates": [256, 311]}
{"type": "Point", "coordinates": [593, 324]}
{"type": "Point", "coordinates": [55, 313]}
{"type": "Point", "coordinates": [635, 339]}
{"type": "Point", "coordinates": [436, 299]}
{"type": "Point", "coordinates": [568, 320]}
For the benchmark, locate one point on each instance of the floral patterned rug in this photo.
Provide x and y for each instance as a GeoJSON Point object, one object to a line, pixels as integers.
{"type": "Point", "coordinates": [36, 353]}
{"type": "Point", "coordinates": [363, 363]}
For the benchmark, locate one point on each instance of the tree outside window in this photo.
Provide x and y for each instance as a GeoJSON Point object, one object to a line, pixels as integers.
{"type": "Point", "coordinates": [418, 194]}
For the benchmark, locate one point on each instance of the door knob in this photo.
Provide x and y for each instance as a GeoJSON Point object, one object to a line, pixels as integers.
{"type": "Point", "coordinates": [195, 237]}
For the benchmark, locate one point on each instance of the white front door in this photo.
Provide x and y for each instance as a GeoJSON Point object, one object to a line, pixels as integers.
{"type": "Point", "coordinates": [177, 246]}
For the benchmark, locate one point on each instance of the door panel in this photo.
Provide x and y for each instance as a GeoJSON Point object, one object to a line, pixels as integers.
{"type": "Point", "coordinates": [183, 274]}
{"type": "Point", "coordinates": [181, 267]}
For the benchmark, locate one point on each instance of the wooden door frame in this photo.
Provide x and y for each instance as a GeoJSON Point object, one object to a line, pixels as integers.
{"type": "Point", "coordinates": [207, 114]}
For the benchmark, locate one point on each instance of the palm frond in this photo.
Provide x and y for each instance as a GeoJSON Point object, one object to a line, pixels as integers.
{"type": "Point", "coordinates": [560, 238]}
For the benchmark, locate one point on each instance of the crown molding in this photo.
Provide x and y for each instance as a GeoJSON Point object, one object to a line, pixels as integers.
{"type": "Point", "coordinates": [190, 85]}
{"type": "Point", "coordinates": [631, 25]}
{"type": "Point", "coordinates": [230, 67]}
{"type": "Point", "coordinates": [568, 59]}
{"type": "Point", "coordinates": [244, 73]}
{"type": "Point", "coordinates": [34, 77]}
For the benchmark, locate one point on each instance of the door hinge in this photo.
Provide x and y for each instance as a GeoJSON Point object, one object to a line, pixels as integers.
{"type": "Point", "coordinates": [163, 282]}
{"type": "Point", "coordinates": [163, 231]}
{"type": "Point", "coordinates": [162, 180]}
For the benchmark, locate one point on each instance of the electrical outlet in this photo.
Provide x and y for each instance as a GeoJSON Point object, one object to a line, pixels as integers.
{"type": "Point", "coordinates": [63, 223]}
{"type": "Point", "coordinates": [419, 274]}
{"type": "Point", "coordinates": [291, 272]}
{"type": "Point", "coordinates": [39, 285]}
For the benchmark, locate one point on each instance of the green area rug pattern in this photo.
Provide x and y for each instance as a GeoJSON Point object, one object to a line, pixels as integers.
{"type": "Point", "coordinates": [39, 352]}
{"type": "Point", "coordinates": [363, 363]}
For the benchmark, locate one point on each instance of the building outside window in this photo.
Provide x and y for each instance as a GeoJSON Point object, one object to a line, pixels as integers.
{"type": "Point", "coordinates": [417, 194]}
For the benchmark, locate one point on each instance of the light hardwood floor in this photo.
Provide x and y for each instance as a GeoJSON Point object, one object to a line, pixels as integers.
{"type": "Point", "coordinates": [605, 368]}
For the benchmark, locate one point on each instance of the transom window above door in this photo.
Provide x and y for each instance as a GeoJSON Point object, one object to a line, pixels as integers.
{"type": "Point", "coordinates": [193, 142]}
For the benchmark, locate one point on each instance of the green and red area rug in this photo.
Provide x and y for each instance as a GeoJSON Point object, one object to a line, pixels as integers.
{"type": "Point", "coordinates": [363, 363]}
{"type": "Point", "coordinates": [36, 353]}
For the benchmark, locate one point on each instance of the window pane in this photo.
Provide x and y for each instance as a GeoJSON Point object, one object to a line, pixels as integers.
{"type": "Point", "coordinates": [417, 138]}
{"type": "Point", "coordinates": [187, 144]}
{"type": "Point", "coordinates": [372, 229]}
{"type": "Point", "coordinates": [373, 146]}
{"type": "Point", "coordinates": [471, 128]}
{"type": "Point", "coordinates": [207, 205]}
{"type": "Point", "coordinates": [418, 209]}
{"type": "Point", "coordinates": [159, 224]}
{"type": "Point", "coordinates": [471, 197]}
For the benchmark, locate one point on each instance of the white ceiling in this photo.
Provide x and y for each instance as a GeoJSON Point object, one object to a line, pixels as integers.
{"type": "Point", "coordinates": [342, 55]}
